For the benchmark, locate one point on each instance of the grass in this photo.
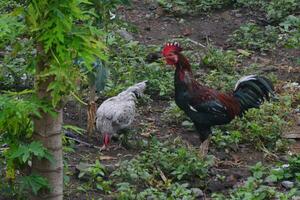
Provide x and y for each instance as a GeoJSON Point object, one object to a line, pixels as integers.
{"type": "Point", "coordinates": [128, 65]}
{"type": "Point", "coordinates": [253, 37]}
{"type": "Point", "coordinates": [162, 169]}
{"type": "Point", "coordinates": [180, 7]}
{"type": "Point", "coordinates": [265, 181]}
{"type": "Point", "coordinates": [170, 169]}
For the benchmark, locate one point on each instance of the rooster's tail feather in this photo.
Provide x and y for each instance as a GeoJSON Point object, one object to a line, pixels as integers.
{"type": "Point", "coordinates": [252, 90]}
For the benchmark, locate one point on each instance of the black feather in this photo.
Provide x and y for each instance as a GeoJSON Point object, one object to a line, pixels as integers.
{"type": "Point", "coordinates": [253, 92]}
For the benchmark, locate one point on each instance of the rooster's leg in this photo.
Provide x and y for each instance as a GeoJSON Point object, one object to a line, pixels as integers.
{"type": "Point", "coordinates": [103, 148]}
{"type": "Point", "coordinates": [204, 147]}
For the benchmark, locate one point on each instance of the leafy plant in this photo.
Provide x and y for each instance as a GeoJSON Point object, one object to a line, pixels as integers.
{"type": "Point", "coordinates": [263, 127]}
{"type": "Point", "coordinates": [291, 30]}
{"type": "Point", "coordinates": [219, 59]}
{"type": "Point", "coordinates": [15, 131]}
{"type": "Point", "coordinates": [158, 166]}
{"type": "Point", "coordinates": [33, 183]}
{"type": "Point", "coordinates": [220, 80]}
{"type": "Point", "coordinates": [7, 6]}
{"type": "Point", "coordinates": [128, 66]}
{"type": "Point", "coordinates": [192, 6]}
{"type": "Point", "coordinates": [174, 191]}
{"type": "Point", "coordinates": [24, 153]}
{"type": "Point", "coordinates": [254, 37]}
{"type": "Point", "coordinates": [10, 27]}
{"type": "Point", "coordinates": [222, 140]}
{"type": "Point", "coordinates": [254, 188]}
{"type": "Point", "coordinates": [173, 114]}
{"type": "Point", "coordinates": [257, 4]}
{"type": "Point", "coordinates": [95, 174]}
{"type": "Point", "coordinates": [15, 73]}
{"type": "Point", "coordinates": [279, 9]}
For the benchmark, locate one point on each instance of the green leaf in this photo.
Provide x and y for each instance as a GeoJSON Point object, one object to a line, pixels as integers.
{"type": "Point", "coordinates": [34, 183]}
{"type": "Point", "coordinates": [271, 178]}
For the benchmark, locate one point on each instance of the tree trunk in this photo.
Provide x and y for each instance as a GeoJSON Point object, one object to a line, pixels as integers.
{"type": "Point", "coordinates": [47, 130]}
{"type": "Point", "coordinates": [91, 112]}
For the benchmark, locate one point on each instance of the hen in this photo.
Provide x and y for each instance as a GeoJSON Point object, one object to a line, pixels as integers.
{"type": "Point", "coordinates": [118, 112]}
{"type": "Point", "coordinates": [207, 107]}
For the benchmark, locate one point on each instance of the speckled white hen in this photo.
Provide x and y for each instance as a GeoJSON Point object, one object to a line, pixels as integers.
{"type": "Point", "coordinates": [118, 112]}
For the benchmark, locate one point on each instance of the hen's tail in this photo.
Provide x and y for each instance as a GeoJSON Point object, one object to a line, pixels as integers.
{"type": "Point", "coordinates": [137, 89]}
{"type": "Point", "coordinates": [252, 90]}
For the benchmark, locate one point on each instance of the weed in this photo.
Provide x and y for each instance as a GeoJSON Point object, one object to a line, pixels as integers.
{"type": "Point", "coordinates": [291, 30]}
{"type": "Point", "coordinates": [279, 9]}
{"type": "Point", "coordinates": [263, 127]}
{"type": "Point", "coordinates": [129, 66]}
{"type": "Point", "coordinates": [255, 4]}
{"type": "Point", "coordinates": [10, 28]}
{"type": "Point", "coordinates": [16, 128]}
{"type": "Point", "coordinates": [95, 174]}
{"type": "Point", "coordinates": [173, 114]}
{"type": "Point", "coordinates": [219, 59]}
{"type": "Point", "coordinates": [222, 140]}
{"type": "Point", "coordinates": [253, 37]}
{"type": "Point", "coordinates": [160, 165]}
{"type": "Point", "coordinates": [7, 6]}
{"type": "Point", "coordinates": [192, 6]}
{"type": "Point", "coordinates": [255, 187]}
{"type": "Point", "coordinates": [221, 81]}
{"type": "Point", "coordinates": [173, 191]}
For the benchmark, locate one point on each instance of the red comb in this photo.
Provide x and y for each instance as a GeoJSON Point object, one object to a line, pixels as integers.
{"type": "Point", "coordinates": [173, 46]}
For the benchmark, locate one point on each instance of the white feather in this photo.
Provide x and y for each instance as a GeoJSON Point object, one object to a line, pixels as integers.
{"type": "Point", "coordinates": [192, 108]}
{"type": "Point", "coordinates": [244, 79]}
{"type": "Point", "coordinates": [118, 112]}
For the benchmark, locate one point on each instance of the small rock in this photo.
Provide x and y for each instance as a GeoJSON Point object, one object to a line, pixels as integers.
{"type": "Point", "coordinates": [238, 15]}
{"type": "Point", "coordinates": [147, 16]}
{"type": "Point", "coordinates": [287, 184]}
{"type": "Point", "coordinates": [181, 21]}
{"type": "Point", "coordinates": [187, 32]}
{"type": "Point", "coordinates": [152, 7]}
{"type": "Point", "coordinates": [124, 34]}
{"type": "Point", "coordinates": [197, 192]}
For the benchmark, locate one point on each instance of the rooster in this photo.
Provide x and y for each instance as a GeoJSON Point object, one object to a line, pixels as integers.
{"type": "Point", "coordinates": [207, 107]}
{"type": "Point", "coordinates": [118, 112]}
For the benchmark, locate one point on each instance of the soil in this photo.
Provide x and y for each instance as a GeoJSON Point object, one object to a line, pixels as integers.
{"type": "Point", "coordinates": [156, 27]}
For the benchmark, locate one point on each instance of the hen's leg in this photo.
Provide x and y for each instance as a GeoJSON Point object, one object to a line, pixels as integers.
{"type": "Point", "coordinates": [203, 150]}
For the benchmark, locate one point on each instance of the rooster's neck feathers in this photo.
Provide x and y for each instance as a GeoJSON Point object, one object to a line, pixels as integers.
{"type": "Point", "coordinates": [183, 63]}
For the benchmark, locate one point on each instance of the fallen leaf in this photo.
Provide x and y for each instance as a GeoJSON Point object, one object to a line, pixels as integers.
{"type": "Point", "coordinates": [107, 158]}
{"type": "Point", "coordinates": [243, 52]}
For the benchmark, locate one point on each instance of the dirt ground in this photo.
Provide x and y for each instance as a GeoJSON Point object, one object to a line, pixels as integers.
{"type": "Point", "coordinates": [156, 27]}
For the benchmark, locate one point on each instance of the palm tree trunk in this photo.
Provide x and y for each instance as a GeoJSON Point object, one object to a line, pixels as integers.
{"type": "Point", "coordinates": [47, 130]}
{"type": "Point", "coordinates": [91, 112]}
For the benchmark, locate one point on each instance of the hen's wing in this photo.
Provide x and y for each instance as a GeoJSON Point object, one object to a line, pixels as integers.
{"type": "Point", "coordinates": [124, 115]}
{"type": "Point", "coordinates": [115, 114]}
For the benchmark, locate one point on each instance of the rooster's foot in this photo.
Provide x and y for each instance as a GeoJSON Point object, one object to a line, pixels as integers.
{"type": "Point", "coordinates": [203, 150]}
{"type": "Point", "coordinates": [103, 148]}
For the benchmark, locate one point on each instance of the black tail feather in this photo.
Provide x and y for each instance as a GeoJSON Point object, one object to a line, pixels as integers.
{"type": "Point", "coordinates": [252, 91]}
